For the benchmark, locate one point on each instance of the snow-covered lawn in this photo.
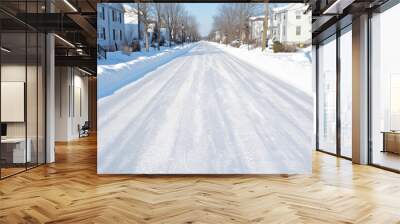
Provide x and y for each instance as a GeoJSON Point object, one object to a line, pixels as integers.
{"type": "Point", "coordinates": [292, 68]}
{"type": "Point", "coordinates": [120, 69]}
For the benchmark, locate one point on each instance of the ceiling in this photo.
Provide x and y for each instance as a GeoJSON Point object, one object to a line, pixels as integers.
{"type": "Point", "coordinates": [331, 15]}
{"type": "Point", "coordinates": [74, 22]}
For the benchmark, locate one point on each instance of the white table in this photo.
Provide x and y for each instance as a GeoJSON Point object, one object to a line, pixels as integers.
{"type": "Point", "coordinates": [19, 152]}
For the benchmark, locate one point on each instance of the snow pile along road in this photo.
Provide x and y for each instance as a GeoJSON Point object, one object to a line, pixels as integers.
{"type": "Point", "coordinates": [120, 69]}
{"type": "Point", "coordinates": [292, 68]}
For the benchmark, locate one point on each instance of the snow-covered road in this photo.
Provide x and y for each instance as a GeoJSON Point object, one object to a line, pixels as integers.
{"type": "Point", "coordinates": [205, 112]}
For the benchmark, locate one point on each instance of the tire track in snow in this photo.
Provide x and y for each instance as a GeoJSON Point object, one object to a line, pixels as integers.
{"type": "Point", "coordinates": [138, 89]}
{"type": "Point", "coordinates": [271, 111]}
{"type": "Point", "coordinates": [186, 118]}
{"type": "Point", "coordinates": [134, 125]}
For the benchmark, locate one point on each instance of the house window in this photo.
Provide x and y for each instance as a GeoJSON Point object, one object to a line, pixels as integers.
{"type": "Point", "coordinates": [298, 14]}
{"type": "Point", "coordinates": [104, 33]}
{"type": "Point", "coordinates": [99, 35]}
{"type": "Point", "coordinates": [120, 18]}
{"type": "Point", "coordinates": [113, 34]}
{"type": "Point", "coordinates": [120, 34]}
{"type": "Point", "coordinates": [298, 30]}
{"type": "Point", "coordinates": [102, 13]}
{"type": "Point", "coordinates": [113, 16]}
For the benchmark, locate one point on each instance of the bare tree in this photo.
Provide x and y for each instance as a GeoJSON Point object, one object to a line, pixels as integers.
{"type": "Point", "coordinates": [159, 11]}
{"type": "Point", "coordinates": [181, 26]}
{"type": "Point", "coordinates": [138, 13]}
{"type": "Point", "coordinates": [145, 14]}
{"type": "Point", "coordinates": [244, 11]}
{"type": "Point", "coordinates": [265, 27]}
{"type": "Point", "coordinates": [171, 14]}
{"type": "Point", "coordinates": [232, 20]}
{"type": "Point", "coordinates": [193, 29]}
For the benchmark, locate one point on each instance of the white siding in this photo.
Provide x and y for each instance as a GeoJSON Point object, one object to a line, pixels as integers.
{"type": "Point", "coordinates": [110, 28]}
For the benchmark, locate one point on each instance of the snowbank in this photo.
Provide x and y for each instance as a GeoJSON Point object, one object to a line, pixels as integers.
{"type": "Point", "coordinates": [121, 69]}
{"type": "Point", "coordinates": [293, 68]}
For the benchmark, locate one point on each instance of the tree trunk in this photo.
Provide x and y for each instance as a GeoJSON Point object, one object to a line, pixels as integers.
{"type": "Point", "coordinates": [138, 13]}
{"type": "Point", "coordinates": [170, 36]}
{"type": "Point", "coordinates": [146, 37]}
{"type": "Point", "coordinates": [158, 38]}
{"type": "Point", "coordinates": [265, 28]}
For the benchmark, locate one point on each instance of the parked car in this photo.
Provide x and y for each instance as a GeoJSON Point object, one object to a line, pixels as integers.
{"type": "Point", "coordinates": [270, 44]}
{"type": "Point", "coordinates": [236, 43]}
{"type": "Point", "coordinates": [135, 45]}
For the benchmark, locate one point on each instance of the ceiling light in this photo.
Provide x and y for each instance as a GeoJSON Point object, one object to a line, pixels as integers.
{"type": "Point", "coordinates": [64, 40]}
{"type": "Point", "coordinates": [5, 50]}
{"type": "Point", "coordinates": [337, 7]}
{"type": "Point", "coordinates": [70, 5]}
{"type": "Point", "coordinates": [86, 72]}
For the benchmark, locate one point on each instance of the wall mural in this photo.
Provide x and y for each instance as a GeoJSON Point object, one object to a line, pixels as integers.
{"type": "Point", "coordinates": [202, 89]}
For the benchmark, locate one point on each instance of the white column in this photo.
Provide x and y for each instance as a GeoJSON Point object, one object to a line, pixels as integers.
{"type": "Point", "coordinates": [360, 90]}
{"type": "Point", "coordinates": [50, 99]}
{"type": "Point", "coordinates": [314, 90]}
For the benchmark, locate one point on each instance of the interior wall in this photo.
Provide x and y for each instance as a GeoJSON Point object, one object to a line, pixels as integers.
{"type": "Point", "coordinates": [61, 103]}
{"type": "Point", "coordinates": [71, 102]}
{"type": "Point", "coordinates": [15, 73]}
{"type": "Point", "coordinates": [80, 109]}
{"type": "Point", "coordinates": [92, 98]}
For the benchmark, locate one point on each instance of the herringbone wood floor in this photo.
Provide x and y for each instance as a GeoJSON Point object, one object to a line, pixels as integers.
{"type": "Point", "coordinates": [70, 191]}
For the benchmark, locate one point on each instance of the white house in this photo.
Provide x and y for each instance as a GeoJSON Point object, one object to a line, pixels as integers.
{"type": "Point", "coordinates": [134, 28]}
{"type": "Point", "coordinates": [289, 24]}
{"type": "Point", "coordinates": [110, 26]}
{"type": "Point", "coordinates": [256, 26]}
{"type": "Point", "coordinates": [218, 36]}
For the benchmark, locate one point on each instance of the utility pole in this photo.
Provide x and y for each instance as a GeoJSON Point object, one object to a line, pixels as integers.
{"type": "Point", "coordinates": [265, 28]}
{"type": "Point", "coordinates": [182, 34]}
{"type": "Point", "coordinates": [138, 16]}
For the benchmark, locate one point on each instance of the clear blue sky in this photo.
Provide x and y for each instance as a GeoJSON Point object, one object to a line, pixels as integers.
{"type": "Point", "coordinates": [204, 13]}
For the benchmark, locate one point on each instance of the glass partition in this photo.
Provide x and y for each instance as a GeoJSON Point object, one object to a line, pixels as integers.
{"type": "Point", "coordinates": [31, 100]}
{"type": "Point", "coordinates": [385, 89]}
{"type": "Point", "coordinates": [346, 92]}
{"type": "Point", "coordinates": [327, 95]}
{"type": "Point", "coordinates": [14, 153]}
{"type": "Point", "coordinates": [41, 96]}
{"type": "Point", "coordinates": [22, 88]}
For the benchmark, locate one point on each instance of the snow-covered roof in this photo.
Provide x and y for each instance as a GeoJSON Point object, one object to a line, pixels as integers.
{"type": "Point", "coordinates": [279, 9]}
{"type": "Point", "coordinates": [289, 7]}
{"type": "Point", "coordinates": [261, 17]}
{"type": "Point", "coordinates": [117, 6]}
{"type": "Point", "coordinates": [129, 7]}
{"type": "Point", "coordinates": [130, 15]}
